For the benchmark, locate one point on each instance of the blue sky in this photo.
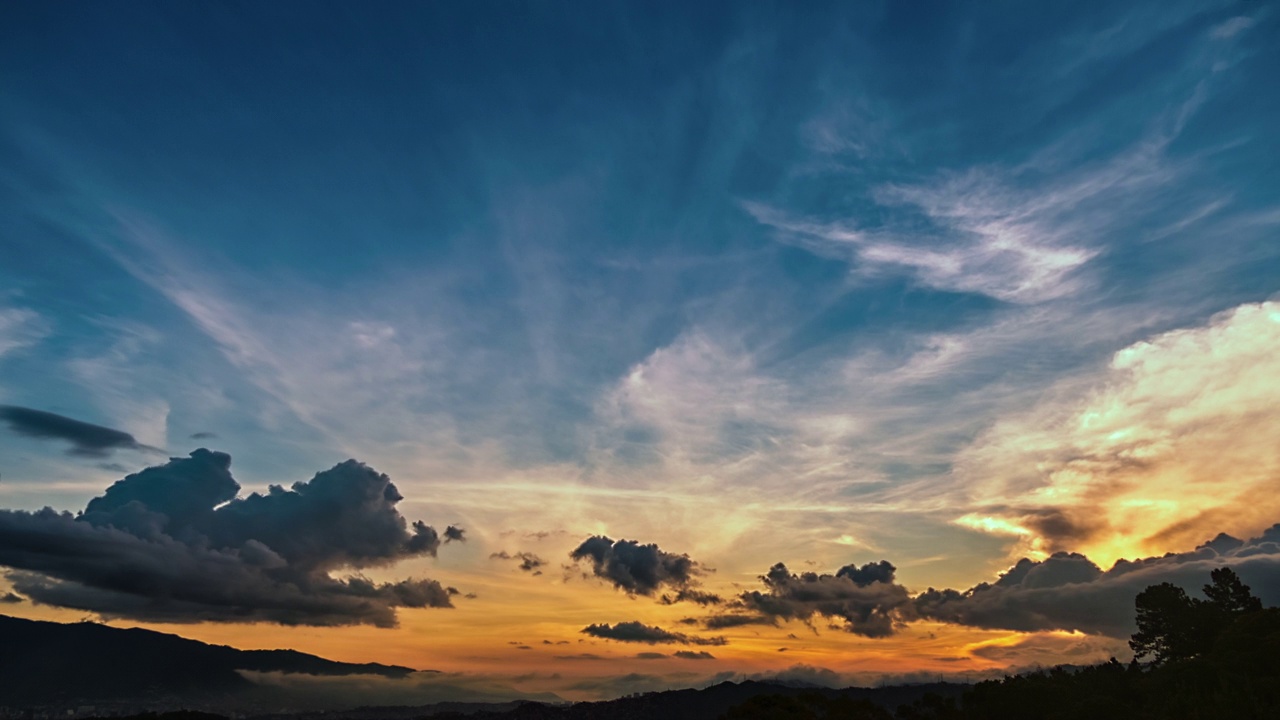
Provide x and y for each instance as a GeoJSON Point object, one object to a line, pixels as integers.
{"type": "Point", "coordinates": [822, 271]}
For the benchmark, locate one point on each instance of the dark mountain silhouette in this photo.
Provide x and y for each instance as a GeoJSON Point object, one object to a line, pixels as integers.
{"type": "Point", "coordinates": [47, 662]}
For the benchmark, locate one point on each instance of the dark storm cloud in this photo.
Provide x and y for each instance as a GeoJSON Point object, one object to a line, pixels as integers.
{"type": "Point", "coordinates": [528, 561]}
{"type": "Point", "coordinates": [866, 598]}
{"type": "Point", "coordinates": [643, 569]}
{"type": "Point", "coordinates": [87, 439]}
{"type": "Point", "coordinates": [1067, 591]}
{"type": "Point", "coordinates": [639, 632]}
{"type": "Point", "coordinates": [11, 598]}
{"type": "Point", "coordinates": [173, 543]}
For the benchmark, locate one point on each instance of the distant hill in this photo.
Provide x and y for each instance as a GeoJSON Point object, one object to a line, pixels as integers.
{"type": "Point", "coordinates": [706, 704]}
{"type": "Point", "coordinates": [47, 662]}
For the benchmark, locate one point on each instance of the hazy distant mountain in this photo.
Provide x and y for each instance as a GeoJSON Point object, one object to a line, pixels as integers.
{"type": "Point", "coordinates": [46, 663]}
{"type": "Point", "coordinates": [705, 704]}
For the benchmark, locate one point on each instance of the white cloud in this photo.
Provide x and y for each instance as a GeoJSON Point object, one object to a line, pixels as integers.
{"type": "Point", "coordinates": [19, 328]}
{"type": "Point", "coordinates": [1175, 439]}
{"type": "Point", "coordinates": [1231, 28]}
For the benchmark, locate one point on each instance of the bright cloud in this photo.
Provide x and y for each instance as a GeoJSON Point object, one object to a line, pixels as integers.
{"type": "Point", "coordinates": [1175, 442]}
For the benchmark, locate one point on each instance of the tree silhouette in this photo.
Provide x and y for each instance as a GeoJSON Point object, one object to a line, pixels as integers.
{"type": "Point", "coordinates": [1166, 624]}
{"type": "Point", "coordinates": [1173, 626]}
{"type": "Point", "coordinates": [1229, 595]}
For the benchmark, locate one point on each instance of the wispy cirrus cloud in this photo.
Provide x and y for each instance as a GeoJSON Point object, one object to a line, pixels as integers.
{"type": "Point", "coordinates": [19, 328]}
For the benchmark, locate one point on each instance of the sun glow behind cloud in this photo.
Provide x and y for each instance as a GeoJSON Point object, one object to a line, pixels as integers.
{"type": "Point", "coordinates": [1174, 442]}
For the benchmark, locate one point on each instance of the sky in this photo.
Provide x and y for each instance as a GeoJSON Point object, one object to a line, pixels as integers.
{"type": "Point", "coordinates": [592, 348]}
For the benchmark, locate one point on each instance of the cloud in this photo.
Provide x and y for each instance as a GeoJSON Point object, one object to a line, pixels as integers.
{"type": "Point", "coordinates": [643, 569]}
{"type": "Point", "coordinates": [991, 234]}
{"type": "Point", "coordinates": [1067, 591]}
{"type": "Point", "coordinates": [19, 328]}
{"type": "Point", "coordinates": [420, 688]}
{"type": "Point", "coordinates": [1063, 648]}
{"type": "Point", "coordinates": [802, 675]}
{"type": "Point", "coordinates": [529, 562]}
{"type": "Point", "coordinates": [454, 534]}
{"type": "Point", "coordinates": [698, 597]}
{"type": "Point", "coordinates": [87, 439]}
{"type": "Point", "coordinates": [719, 622]}
{"type": "Point", "coordinates": [11, 598]}
{"type": "Point", "coordinates": [693, 655]}
{"type": "Point", "coordinates": [634, 631]}
{"type": "Point", "coordinates": [203, 436]}
{"type": "Point", "coordinates": [1231, 28]}
{"type": "Point", "coordinates": [651, 656]}
{"type": "Point", "coordinates": [1173, 442]}
{"type": "Point", "coordinates": [174, 543]}
{"type": "Point", "coordinates": [866, 598]}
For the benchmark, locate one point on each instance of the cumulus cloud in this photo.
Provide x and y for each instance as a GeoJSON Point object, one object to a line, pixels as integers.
{"type": "Point", "coordinates": [635, 631]}
{"type": "Point", "coordinates": [87, 439]}
{"type": "Point", "coordinates": [174, 543]}
{"type": "Point", "coordinates": [1067, 591]}
{"type": "Point", "coordinates": [867, 598]}
{"type": "Point", "coordinates": [529, 562]}
{"type": "Point", "coordinates": [643, 569]}
{"type": "Point", "coordinates": [1173, 442]}
{"type": "Point", "coordinates": [454, 533]}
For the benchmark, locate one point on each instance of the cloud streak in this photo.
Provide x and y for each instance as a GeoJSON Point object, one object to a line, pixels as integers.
{"type": "Point", "coordinates": [637, 632]}
{"type": "Point", "coordinates": [87, 439]}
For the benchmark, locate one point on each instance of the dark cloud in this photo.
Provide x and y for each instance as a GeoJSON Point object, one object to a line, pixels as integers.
{"type": "Point", "coordinates": [651, 656]}
{"type": "Point", "coordinates": [11, 598]}
{"type": "Point", "coordinates": [1067, 591]}
{"type": "Point", "coordinates": [639, 632]}
{"type": "Point", "coordinates": [697, 597]}
{"type": "Point", "coordinates": [203, 436]}
{"type": "Point", "coordinates": [582, 656]}
{"type": "Point", "coordinates": [866, 598]}
{"type": "Point", "coordinates": [694, 655]}
{"type": "Point", "coordinates": [454, 533]}
{"type": "Point", "coordinates": [804, 676]}
{"type": "Point", "coordinates": [643, 569]}
{"type": "Point", "coordinates": [87, 439]}
{"type": "Point", "coordinates": [528, 561]}
{"type": "Point", "coordinates": [718, 622]}
{"type": "Point", "coordinates": [174, 543]}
